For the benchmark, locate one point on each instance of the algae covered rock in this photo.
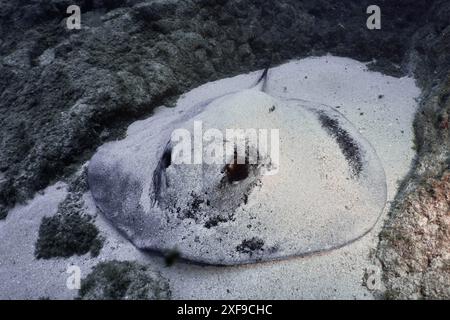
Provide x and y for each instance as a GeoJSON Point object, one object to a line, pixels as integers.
{"type": "Point", "coordinates": [127, 280]}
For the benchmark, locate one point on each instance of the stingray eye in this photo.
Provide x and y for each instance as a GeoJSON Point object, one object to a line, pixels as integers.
{"type": "Point", "coordinates": [166, 159]}
{"type": "Point", "coordinates": [159, 180]}
{"type": "Point", "coordinates": [236, 171]}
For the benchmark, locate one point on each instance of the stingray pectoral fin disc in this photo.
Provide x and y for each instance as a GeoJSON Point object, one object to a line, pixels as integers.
{"type": "Point", "coordinates": [328, 190]}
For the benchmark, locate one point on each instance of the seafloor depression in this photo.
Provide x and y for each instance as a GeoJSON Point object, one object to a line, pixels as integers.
{"type": "Point", "coordinates": [328, 190]}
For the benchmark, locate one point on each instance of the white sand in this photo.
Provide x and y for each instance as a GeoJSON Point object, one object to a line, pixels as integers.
{"type": "Point", "coordinates": [386, 122]}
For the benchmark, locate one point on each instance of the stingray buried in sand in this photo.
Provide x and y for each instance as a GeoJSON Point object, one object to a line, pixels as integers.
{"type": "Point", "coordinates": [327, 188]}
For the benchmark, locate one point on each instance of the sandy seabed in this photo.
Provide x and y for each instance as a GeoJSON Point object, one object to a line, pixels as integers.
{"type": "Point", "coordinates": [381, 107]}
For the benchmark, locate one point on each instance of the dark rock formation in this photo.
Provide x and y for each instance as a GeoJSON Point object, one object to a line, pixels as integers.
{"type": "Point", "coordinates": [124, 280]}
{"type": "Point", "coordinates": [415, 246]}
{"type": "Point", "coordinates": [71, 231]}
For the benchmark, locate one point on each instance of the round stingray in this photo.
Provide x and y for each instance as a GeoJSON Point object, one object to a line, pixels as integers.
{"type": "Point", "coordinates": [328, 190]}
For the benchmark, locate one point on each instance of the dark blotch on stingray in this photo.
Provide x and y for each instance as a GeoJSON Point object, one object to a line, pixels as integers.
{"type": "Point", "coordinates": [249, 246]}
{"type": "Point", "coordinates": [348, 146]}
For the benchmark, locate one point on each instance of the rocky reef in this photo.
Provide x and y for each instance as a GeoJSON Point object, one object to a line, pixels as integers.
{"type": "Point", "coordinates": [124, 280]}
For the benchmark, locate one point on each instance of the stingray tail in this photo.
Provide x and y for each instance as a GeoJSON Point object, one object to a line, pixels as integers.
{"type": "Point", "coordinates": [262, 81]}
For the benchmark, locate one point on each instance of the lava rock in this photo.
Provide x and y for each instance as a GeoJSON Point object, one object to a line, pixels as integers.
{"type": "Point", "coordinates": [124, 280]}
